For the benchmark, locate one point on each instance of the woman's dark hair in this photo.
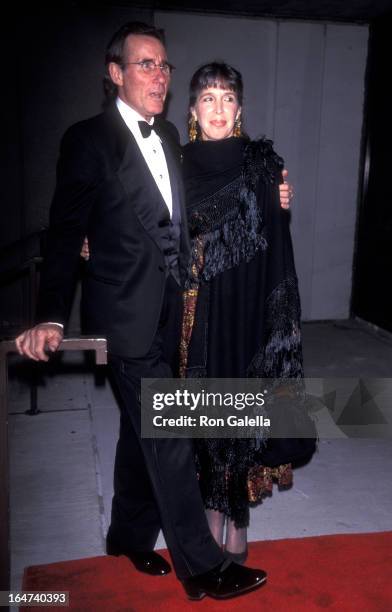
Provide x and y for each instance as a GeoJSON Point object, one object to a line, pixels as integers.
{"type": "Point", "coordinates": [115, 50]}
{"type": "Point", "coordinates": [215, 74]}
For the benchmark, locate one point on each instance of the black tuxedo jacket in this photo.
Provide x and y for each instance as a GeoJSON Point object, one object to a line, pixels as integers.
{"type": "Point", "coordinates": [105, 191]}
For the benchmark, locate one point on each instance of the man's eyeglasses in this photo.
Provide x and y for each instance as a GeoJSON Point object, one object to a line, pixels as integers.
{"type": "Point", "coordinates": [148, 66]}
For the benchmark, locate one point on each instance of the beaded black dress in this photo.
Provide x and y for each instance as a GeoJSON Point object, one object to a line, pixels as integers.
{"type": "Point", "coordinates": [241, 307]}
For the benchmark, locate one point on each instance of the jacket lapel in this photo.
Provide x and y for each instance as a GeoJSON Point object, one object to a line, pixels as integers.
{"type": "Point", "coordinates": [140, 187]}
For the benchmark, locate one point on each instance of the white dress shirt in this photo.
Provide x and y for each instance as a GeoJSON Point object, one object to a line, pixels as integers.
{"type": "Point", "coordinates": [151, 149]}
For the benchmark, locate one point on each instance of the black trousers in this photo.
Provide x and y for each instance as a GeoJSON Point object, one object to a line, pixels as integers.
{"type": "Point", "coordinates": [155, 483]}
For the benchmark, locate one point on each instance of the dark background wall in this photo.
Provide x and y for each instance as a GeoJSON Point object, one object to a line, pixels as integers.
{"type": "Point", "coordinates": [57, 69]}
{"type": "Point", "coordinates": [372, 297]}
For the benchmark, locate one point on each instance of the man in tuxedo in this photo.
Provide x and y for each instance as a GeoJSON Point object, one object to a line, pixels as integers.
{"type": "Point", "coordinates": [119, 184]}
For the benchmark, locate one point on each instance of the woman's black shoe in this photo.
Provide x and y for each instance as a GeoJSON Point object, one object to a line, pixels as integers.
{"type": "Point", "coordinates": [227, 580]}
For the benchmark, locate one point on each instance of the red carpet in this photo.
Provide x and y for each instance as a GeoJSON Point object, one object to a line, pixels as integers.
{"type": "Point", "coordinates": [339, 572]}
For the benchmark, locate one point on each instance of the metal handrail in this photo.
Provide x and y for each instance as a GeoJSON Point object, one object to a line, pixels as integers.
{"type": "Point", "coordinates": [8, 346]}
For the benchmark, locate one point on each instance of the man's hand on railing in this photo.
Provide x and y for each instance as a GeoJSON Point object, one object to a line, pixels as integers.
{"type": "Point", "coordinates": [35, 340]}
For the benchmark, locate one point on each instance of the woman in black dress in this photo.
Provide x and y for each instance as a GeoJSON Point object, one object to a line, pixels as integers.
{"type": "Point", "coordinates": [242, 308]}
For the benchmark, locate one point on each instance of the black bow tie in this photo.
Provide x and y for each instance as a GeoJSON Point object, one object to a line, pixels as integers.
{"type": "Point", "coordinates": [145, 128]}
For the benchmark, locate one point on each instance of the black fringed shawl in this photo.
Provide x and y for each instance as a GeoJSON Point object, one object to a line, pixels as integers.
{"type": "Point", "coordinates": [242, 309]}
{"type": "Point", "coordinates": [247, 319]}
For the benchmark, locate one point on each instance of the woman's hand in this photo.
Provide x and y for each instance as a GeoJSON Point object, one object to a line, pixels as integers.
{"type": "Point", "coordinates": [85, 252]}
{"type": "Point", "coordinates": [286, 191]}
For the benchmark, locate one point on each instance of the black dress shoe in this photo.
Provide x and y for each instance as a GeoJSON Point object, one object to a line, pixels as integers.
{"type": "Point", "coordinates": [147, 562]}
{"type": "Point", "coordinates": [227, 580]}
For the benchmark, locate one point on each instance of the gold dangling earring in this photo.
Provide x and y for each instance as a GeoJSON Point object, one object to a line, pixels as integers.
{"type": "Point", "coordinates": [237, 128]}
{"type": "Point", "coordinates": [192, 128]}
